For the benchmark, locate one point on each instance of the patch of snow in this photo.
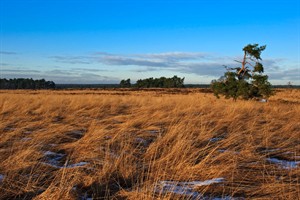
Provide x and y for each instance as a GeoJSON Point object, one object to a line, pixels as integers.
{"type": "Point", "coordinates": [285, 164]}
{"type": "Point", "coordinates": [270, 150]}
{"type": "Point", "coordinates": [86, 198]}
{"type": "Point", "coordinates": [80, 164]}
{"type": "Point", "coordinates": [77, 132]}
{"type": "Point", "coordinates": [177, 189]}
{"type": "Point", "coordinates": [222, 198]}
{"type": "Point", "coordinates": [50, 153]}
{"type": "Point", "coordinates": [185, 188]}
{"type": "Point", "coordinates": [228, 151]}
{"type": "Point", "coordinates": [215, 139]}
{"type": "Point", "coordinates": [54, 159]}
{"type": "Point", "coordinates": [1, 178]}
{"type": "Point", "coordinates": [194, 183]}
{"type": "Point", "coordinates": [208, 182]}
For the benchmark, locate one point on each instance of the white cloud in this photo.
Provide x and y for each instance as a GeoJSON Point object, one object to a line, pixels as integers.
{"type": "Point", "coordinates": [8, 52]}
{"type": "Point", "coordinates": [204, 65]}
{"type": "Point", "coordinates": [60, 76]}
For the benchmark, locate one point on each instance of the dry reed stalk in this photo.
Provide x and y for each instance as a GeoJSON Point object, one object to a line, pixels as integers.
{"type": "Point", "coordinates": [123, 144]}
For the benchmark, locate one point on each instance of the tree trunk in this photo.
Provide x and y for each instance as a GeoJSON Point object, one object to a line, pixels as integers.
{"type": "Point", "coordinates": [243, 64]}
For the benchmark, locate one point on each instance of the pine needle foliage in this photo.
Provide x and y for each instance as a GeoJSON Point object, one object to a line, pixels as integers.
{"type": "Point", "coordinates": [245, 82]}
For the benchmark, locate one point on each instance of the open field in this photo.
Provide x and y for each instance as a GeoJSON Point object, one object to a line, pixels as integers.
{"type": "Point", "coordinates": [149, 144]}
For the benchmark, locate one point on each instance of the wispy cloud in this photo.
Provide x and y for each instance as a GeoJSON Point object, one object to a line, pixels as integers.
{"type": "Point", "coordinates": [72, 59]}
{"type": "Point", "coordinates": [80, 78]}
{"type": "Point", "coordinates": [113, 60]}
{"type": "Point", "coordinates": [168, 59]}
{"type": "Point", "coordinates": [8, 52]}
{"type": "Point", "coordinates": [204, 68]}
{"type": "Point", "coordinates": [19, 71]}
{"type": "Point", "coordinates": [89, 70]}
{"type": "Point", "coordinates": [176, 56]}
{"type": "Point", "coordinates": [4, 64]}
{"type": "Point", "coordinates": [60, 75]}
{"type": "Point", "coordinates": [271, 65]}
{"type": "Point", "coordinates": [202, 64]}
{"type": "Point", "coordinates": [199, 63]}
{"type": "Point", "coordinates": [160, 60]}
{"type": "Point", "coordinates": [288, 74]}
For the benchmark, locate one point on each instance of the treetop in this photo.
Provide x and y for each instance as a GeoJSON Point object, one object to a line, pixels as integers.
{"type": "Point", "coordinates": [254, 50]}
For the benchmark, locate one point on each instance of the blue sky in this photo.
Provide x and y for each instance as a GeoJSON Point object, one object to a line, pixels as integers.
{"type": "Point", "coordinates": [104, 41]}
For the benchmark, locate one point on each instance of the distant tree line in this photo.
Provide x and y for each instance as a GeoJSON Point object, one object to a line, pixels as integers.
{"type": "Point", "coordinates": [26, 83]}
{"type": "Point", "coordinates": [162, 82]}
{"type": "Point", "coordinates": [125, 83]}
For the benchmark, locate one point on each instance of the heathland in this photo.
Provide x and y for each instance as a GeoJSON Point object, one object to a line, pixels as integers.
{"type": "Point", "coordinates": [148, 144]}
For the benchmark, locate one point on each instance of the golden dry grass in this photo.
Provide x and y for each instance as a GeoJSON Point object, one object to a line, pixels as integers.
{"type": "Point", "coordinates": [125, 143]}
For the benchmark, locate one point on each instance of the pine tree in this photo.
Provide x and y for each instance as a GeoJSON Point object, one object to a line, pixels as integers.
{"type": "Point", "coordinates": [247, 81]}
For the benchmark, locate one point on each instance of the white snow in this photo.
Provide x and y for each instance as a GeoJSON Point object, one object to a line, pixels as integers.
{"type": "Point", "coordinates": [285, 164]}
{"type": "Point", "coordinates": [53, 158]}
{"type": "Point", "coordinates": [182, 190]}
{"type": "Point", "coordinates": [216, 139]}
{"type": "Point", "coordinates": [185, 188]}
{"type": "Point", "coordinates": [194, 183]}
{"type": "Point", "coordinates": [270, 150]}
{"type": "Point", "coordinates": [77, 132]}
{"type": "Point", "coordinates": [47, 153]}
{"type": "Point", "coordinates": [86, 197]}
{"type": "Point", "coordinates": [80, 164]}
{"type": "Point", "coordinates": [263, 100]}
{"type": "Point", "coordinates": [1, 178]}
{"type": "Point", "coordinates": [228, 151]}
{"type": "Point", "coordinates": [208, 182]}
